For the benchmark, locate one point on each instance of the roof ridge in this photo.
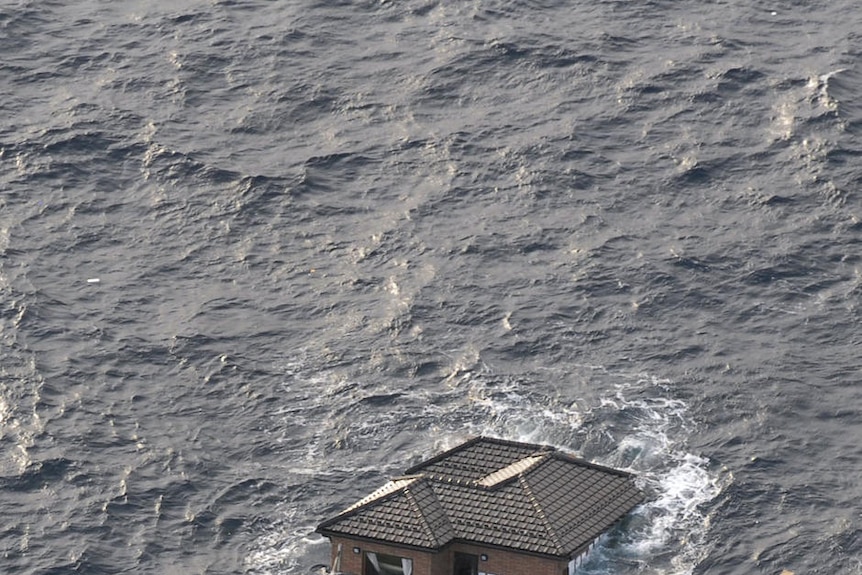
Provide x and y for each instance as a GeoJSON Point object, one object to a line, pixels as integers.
{"type": "Point", "coordinates": [429, 531]}
{"type": "Point", "coordinates": [570, 458]}
{"type": "Point", "coordinates": [449, 480]}
{"type": "Point", "coordinates": [541, 512]}
{"type": "Point", "coordinates": [509, 472]}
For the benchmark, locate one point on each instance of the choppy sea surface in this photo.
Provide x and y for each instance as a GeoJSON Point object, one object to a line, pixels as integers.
{"type": "Point", "coordinates": [257, 257]}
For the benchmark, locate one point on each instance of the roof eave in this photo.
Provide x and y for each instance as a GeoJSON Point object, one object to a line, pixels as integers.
{"type": "Point", "coordinates": [476, 543]}
{"type": "Point", "coordinates": [511, 549]}
{"type": "Point", "coordinates": [561, 455]}
{"type": "Point", "coordinates": [388, 542]}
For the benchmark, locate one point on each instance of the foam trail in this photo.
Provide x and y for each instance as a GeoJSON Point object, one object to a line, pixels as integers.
{"type": "Point", "coordinates": [666, 535]}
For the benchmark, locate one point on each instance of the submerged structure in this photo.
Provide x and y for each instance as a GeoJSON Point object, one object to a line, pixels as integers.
{"type": "Point", "coordinates": [486, 507]}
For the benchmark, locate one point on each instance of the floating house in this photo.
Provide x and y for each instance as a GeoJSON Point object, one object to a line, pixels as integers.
{"type": "Point", "coordinates": [486, 507]}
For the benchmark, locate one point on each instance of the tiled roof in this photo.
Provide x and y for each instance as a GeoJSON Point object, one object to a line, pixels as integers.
{"type": "Point", "coordinates": [488, 491]}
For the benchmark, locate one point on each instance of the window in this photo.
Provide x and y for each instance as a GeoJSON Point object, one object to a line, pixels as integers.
{"type": "Point", "coordinates": [380, 564]}
{"type": "Point", "coordinates": [465, 564]}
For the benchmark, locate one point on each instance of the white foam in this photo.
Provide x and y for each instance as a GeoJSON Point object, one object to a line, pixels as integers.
{"type": "Point", "coordinates": [667, 534]}
{"type": "Point", "coordinates": [287, 546]}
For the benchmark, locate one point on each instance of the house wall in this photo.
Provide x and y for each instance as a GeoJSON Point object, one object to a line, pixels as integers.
{"type": "Point", "coordinates": [352, 562]}
{"type": "Point", "coordinates": [500, 562]}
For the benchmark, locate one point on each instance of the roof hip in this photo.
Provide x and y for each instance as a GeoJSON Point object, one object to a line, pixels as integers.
{"type": "Point", "coordinates": [552, 534]}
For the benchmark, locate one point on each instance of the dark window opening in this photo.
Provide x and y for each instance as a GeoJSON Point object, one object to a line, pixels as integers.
{"type": "Point", "coordinates": [466, 564]}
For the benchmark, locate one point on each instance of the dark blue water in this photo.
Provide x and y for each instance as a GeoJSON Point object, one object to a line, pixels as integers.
{"type": "Point", "coordinates": [257, 257]}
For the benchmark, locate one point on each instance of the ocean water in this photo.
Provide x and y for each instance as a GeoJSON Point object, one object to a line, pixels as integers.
{"type": "Point", "coordinates": [257, 257]}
